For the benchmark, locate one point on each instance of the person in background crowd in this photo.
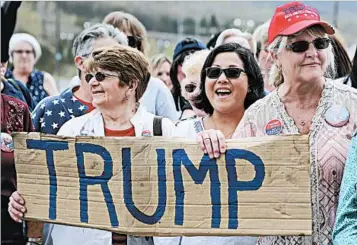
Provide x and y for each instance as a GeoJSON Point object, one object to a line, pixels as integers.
{"type": "Point", "coordinates": [15, 89]}
{"type": "Point", "coordinates": [230, 82]}
{"type": "Point", "coordinates": [190, 85]}
{"type": "Point", "coordinates": [345, 232]}
{"type": "Point", "coordinates": [306, 101]}
{"type": "Point", "coordinates": [52, 112]}
{"type": "Point", "coordinates": [160, 67]}
{"type": "Point", "coordinates": [11, 87]}
{"type": "Point", "coordinates": [234, 35]}
{"type": "Point", "coordinates": [15, 117]}
{"type": "Point", "coordinates": [343, 63]}
{"type": "Point", "coordinates": [117, 76]}
{"type": "Point", "coordinates": [157, 98]}
{"type": "Point", "coordinates": [260, 35]}
{"type": "Point", "coordinates": [212, 42]}
{"type": "Point", "coordinates": [25, 51]}
{"type": "Point", "coordinates": [184, 48]}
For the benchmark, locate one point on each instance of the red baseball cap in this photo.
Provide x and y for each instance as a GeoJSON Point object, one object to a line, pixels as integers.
{"type": "Point", "coordinates": [293, 17]}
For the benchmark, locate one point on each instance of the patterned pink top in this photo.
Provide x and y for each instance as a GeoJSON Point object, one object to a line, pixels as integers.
{"type": "Point", "coordinates": [328, 152]}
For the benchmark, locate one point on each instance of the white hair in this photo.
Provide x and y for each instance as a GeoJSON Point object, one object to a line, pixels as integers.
{"type": "Point", "coordinates": [192, 67]}
{"type": "Point", "coordinates": [83, 44]}
{"type": "Point", "coordinates": [24, 37]}
{"type": "Point", "coordinates": [260, 35]}
{"type": "Point", "coordinates": [233, 32]}
{"type": "Point", "coordinates": [193, 63]}
{"type": "Point", "coordinates": [279, 43]}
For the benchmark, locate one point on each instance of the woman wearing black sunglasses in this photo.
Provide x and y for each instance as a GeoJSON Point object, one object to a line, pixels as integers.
{"type": "Point", "coordinates": [306, 101]}
{"type": "Point", "coordinates": [230, 82]}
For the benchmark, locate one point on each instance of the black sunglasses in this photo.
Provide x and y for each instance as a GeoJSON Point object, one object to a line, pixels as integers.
{"type": "Point", "coordinates": [134, 42]}
{"type": "Point", "coordinates": [99, 76]}
{"type": "Point", "coordinates": [190, 87]}
{"type": "Point", "coordinates": [302, 46]}
{"type": "Point", "coordinates": [215, 72]}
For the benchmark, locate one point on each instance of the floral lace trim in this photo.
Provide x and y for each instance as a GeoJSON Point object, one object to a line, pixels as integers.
{"type": "Point", "coordinates": [280, 108]}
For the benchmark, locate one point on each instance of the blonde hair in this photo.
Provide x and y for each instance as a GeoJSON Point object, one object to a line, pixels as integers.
{"type": "Point", "coordinates": [193, 63]}
{"type": "Point", "coordinates": [192, 67]}
{"type": "Point", "coordinates": [260, 33]}
{"type": "Point", "coordinates": [156, 61]}
{"type": "Point", "coordinates": [126, 22]}
{"type": "Point", "coordinates": [233, 32]}
{"type": "Point", "coordinates": [130, 64]}
{"type": "Point", "coordinates": [276, 77]}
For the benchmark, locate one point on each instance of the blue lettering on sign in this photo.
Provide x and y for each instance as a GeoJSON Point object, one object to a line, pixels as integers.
{"type": "Point", "coordinates": [49, 146]}
{"type": "Point", "coordinates": [128, 194]}
{"type": "Point", "coordinates": [101, 180]}
{"type": "Point", "coordinates": [234, 185]}
{"type": "Point", "coordinates": [198, 175]}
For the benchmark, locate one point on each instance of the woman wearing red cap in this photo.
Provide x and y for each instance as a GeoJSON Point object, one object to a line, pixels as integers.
{"type": "Point", "coordinates": [306, 101]}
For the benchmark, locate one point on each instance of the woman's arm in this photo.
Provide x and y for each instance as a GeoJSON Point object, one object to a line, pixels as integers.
{"type": "Point", "coordinates": [345, 232]}
{"type": "Point", "coordinates": [50, 84]}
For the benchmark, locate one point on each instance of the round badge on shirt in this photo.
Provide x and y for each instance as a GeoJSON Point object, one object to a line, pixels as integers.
{"type": "Point", "coordinates": [337, 115]}
{"type": "Point", "coordinates": [7, 144]}
{"type": "Point", "coordinates": [146, 133]}
{"type": "Point", "coordinates": [273, 127]}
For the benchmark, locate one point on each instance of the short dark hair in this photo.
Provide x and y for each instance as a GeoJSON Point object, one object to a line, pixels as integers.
{"type": "Point", "coordinates": [353, 75]}
{"type": "Point", "coordinates": [251, 67]}
{"type": "Point", "coordinates": [342, 61]}
{"type": "Point", "coordinates": [176, 87]}
{"type": "Point", "coordinates": [212, 42]}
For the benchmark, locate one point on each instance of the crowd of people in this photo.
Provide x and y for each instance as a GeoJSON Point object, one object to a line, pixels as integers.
{"type": "Point", "coordinates": [292, 75]}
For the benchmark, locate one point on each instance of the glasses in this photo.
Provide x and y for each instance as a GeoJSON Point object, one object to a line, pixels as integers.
{"type": "Point", "coordinates": [215, 72]}
{"type": "Point", "coordinates": [302, 46]}
{"type": "Point", "coordinates": [99, 76]}
{"type": "Point", "coordinates": [20, 51]}
{"type": "Point", "coordinates": [190, 87]}
{"type": "Point", "coordinates": [134, 41]}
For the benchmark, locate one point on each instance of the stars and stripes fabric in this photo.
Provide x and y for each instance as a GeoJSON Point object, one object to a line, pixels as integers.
{"type": "Point", "coordinates": [52, 112]}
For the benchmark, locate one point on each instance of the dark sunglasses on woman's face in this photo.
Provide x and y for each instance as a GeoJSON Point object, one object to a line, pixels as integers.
{"type": "Point", "coordinates": [302, 46]}
{"type": "Point", "coordinates": [99, 76]}
{"type": "Point", "coordinates": [20, 51]}
{"type": "Point", "coordinates": [215, 72]}
{"type": "Point", "coordinates": [190, 87]}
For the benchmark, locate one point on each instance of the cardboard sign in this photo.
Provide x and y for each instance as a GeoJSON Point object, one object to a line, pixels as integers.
{"type": "Point", "coordinates": [167, 187]}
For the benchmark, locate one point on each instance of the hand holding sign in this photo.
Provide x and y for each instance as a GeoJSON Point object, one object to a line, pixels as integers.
{"type": "Point", "coordinates": [16, 207]}
{"type": "Point", "coordinates": [166, 187]}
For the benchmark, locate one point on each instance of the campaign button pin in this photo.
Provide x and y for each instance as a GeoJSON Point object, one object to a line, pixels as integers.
{"type": "Point", "coordinates": [146, 133]}
{"type": "Point", "coordinates": [7, 144]}
{"type": "Point", "coordinates": [337, 115]}
{"type": "Point", "coordinates": [273, 127]}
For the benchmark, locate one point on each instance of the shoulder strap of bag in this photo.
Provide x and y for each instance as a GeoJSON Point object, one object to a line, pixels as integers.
{"type": "Point", "coordinates": [157, 126]}
{"type": "Point", "coordinates": [12, 81]}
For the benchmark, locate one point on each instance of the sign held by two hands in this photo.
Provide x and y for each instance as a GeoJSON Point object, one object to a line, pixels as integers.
{"type": "Point", "coordinates": [167, 187]}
